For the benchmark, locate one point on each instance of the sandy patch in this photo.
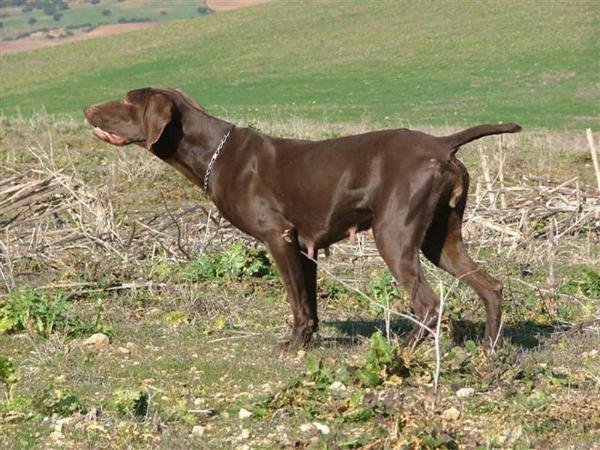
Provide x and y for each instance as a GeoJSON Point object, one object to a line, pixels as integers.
{"type": "Point", "coordinates": [31, 43]}
{"type": "Point", "coordinates": [228, 5]}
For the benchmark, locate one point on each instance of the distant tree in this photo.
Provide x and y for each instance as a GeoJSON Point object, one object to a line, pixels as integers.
{"type": "Point", "coordinates": [202, 10]}
{"type": "Point", "coordinates": [50, 9]}
{"type": "Point", "coordinates": [27, 8]}
{"type": "Point", "coordinates": [106, 12]}
{"type": "Point", "coordinates": [163, 13]}
{"type": "Point", "coordinates": [32, 21]}
{"type": "Point", "coordinates": [94, 2]}
{"type": "Point", "coordinates": [1, 24]}
{"type": "Point", "coordinates": [57, 16]}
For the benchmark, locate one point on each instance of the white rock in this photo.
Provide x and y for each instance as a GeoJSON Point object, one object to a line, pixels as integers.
{"type": "Point", "coordinates": [56, 436]}
{"type": "Point", "coordinates": [323, 429]}
{"type": "Point", "coordinates": [451, 414]}
{"type": "Point", "coordinates": [465, 392]}
{"type": "Point", "coordinates": [97, 340]}
{"type": "Point", "coordinates": [337, 386]}
{"type": "Point", "coordinates": [245, 433]}
{"type": "Point", "coordinates": [306, 427]}
{"type": "Point", "coordinates": [244, 413]}
{"type": "Point", "coordinates": [198, 431]}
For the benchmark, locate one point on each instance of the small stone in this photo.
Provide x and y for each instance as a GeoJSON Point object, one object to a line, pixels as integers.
{"type": "Point", "coordinates": [244, 413]}
{"type": "Point", "coordinates": [97, 340]}
{"type": "Point", "coordinates": [451, 414]}
{"type": "Point", "coordinates": [245, 433]}
{"type": "Point", "coordinates": [560, 371]}
{"type": "Point", "coordinates": [465, 392]}
{"type": "Point", "coordinates": [198, 431]}
{"type": "Point", "coordinates": [301, 353]}
{"type": "Point", "coordinates": [337, 386]}
{"type": "Point", "coordinates": [124, 350]}
{"type": "Point", "coordinates": [56, 436]}
{"type": "Point", "coordinates": [323, 429]}
{"type": "Point", "coordinates": [306, 427]}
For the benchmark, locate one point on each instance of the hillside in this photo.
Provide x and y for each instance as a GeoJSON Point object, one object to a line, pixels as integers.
{"type": "Point", "coordinates": [54, 19]}
{"type": "Point", "coordinates": [393, 63]}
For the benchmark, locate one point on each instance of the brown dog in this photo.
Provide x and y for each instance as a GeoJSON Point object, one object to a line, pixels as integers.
{"type": "Point", "coordinates": [300, 196]}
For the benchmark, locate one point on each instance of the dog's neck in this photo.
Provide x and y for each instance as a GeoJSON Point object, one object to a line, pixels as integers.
{"type": "Point", "coordinates": [200, 135]}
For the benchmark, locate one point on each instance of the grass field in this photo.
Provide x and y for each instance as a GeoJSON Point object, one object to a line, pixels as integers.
{"type": "Point", "coordinates": [16, 21]}
{"type": "Point", "coordinates": [192, 357]}
{"type": "Point", "coordinates": [390, 62]}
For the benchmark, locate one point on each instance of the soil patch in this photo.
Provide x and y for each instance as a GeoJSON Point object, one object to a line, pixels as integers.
{"type": "Point", "coordinates": [31, 43]}
{"type": "Point", "coordinates": [229, 5]}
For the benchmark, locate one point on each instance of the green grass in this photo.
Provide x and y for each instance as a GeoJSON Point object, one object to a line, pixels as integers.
{"type": "Point", "coordinates": [83, 12]}
{"type": "Point", "coordinates": [392, 62]}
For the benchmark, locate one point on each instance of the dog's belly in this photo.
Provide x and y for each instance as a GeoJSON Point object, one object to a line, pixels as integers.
{"type": "Point", "coordinates": [322, 233]}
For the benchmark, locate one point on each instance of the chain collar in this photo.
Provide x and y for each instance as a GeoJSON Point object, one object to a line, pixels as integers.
{"type": "Point", "coordinates": [214, 158]}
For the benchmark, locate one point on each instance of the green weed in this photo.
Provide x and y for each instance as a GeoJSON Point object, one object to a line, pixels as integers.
{"type": "Point", "coordinates": [237, 262]}
{"type": "Point", "coordinates": [8, 375]}
{"type": "Point", "coordinates": [59, 401]}
{"type": "Point", "coordinates": [33, 312]}
{"type": "Point", "coordinates": [129, 401]}
{"type": "Point", "coordinates": [381, 288]}
{"type": "Point", "coordinates": [381, 362]}
{"type": "Point", "coordinates": [585, 282]}
{"type": "Point", "coordinates": [42, 314]}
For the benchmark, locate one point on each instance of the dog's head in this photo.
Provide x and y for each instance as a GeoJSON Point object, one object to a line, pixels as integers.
{"type": "Point", "coordinates": [142, 117]}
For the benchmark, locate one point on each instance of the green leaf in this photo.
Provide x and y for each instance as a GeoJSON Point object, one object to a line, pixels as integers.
{"type": "Point", "coordinates": [8, 373]}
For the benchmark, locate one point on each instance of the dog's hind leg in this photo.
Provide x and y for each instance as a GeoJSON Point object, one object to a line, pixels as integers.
{"type": "Point", "coordinates": [399, 231]}
{"type": "Point", "coordinates": [443, 246]}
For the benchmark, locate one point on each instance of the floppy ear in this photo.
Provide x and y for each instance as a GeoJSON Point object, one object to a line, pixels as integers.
{"type": "Point", "coordinates": [159, 112]}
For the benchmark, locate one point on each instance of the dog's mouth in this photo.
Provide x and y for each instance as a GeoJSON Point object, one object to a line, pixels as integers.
{"type": "Point", "coordinates": [111, 138]}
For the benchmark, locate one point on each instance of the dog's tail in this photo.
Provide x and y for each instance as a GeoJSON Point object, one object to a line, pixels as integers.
{"type": "Point", "coordinates": [454, 141]}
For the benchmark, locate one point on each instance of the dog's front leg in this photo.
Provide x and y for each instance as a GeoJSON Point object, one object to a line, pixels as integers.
{"type": "Point", "coordinates": [299, 275]}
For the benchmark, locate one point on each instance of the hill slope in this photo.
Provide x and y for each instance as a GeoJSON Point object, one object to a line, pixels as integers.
{"type": "Point", "coordinates": [436, 63]}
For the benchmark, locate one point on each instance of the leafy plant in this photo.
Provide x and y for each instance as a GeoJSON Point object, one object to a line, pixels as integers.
{"type": "Point", "coordinates": [60, 401]}
{"type": "Point", "coordinates": [382, 361]}
{"type": "Point", "coordinates": [318, 373]}
{"type": "Point", "coordinates": [8, 374]}
{"type": "Point", "coordinates": [131, 401]}
{"type": "Point", "coordinates": [34, 312]}
{"type": "Point", "coordinates": [333, 290]}
{"type": "Point", "coordinates": [587, 284]}
{"type": "Point", "coordinates": [37, 313]}
{"type": "Point", "coordinates": [382, 287]}
{"type": "Point", "coordinates": [237, 262]}
{"type": "Point", "coordinates": [175, 318]}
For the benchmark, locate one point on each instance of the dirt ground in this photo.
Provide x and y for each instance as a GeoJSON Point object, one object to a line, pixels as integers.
{"type": "Point", "coordinates": [32, 43]}
{"type": "Point", "coordinates": [229, 5]}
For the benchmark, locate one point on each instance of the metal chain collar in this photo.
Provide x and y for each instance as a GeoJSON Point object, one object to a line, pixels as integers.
{"type": "Point", "coordinates": [213, 159]}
